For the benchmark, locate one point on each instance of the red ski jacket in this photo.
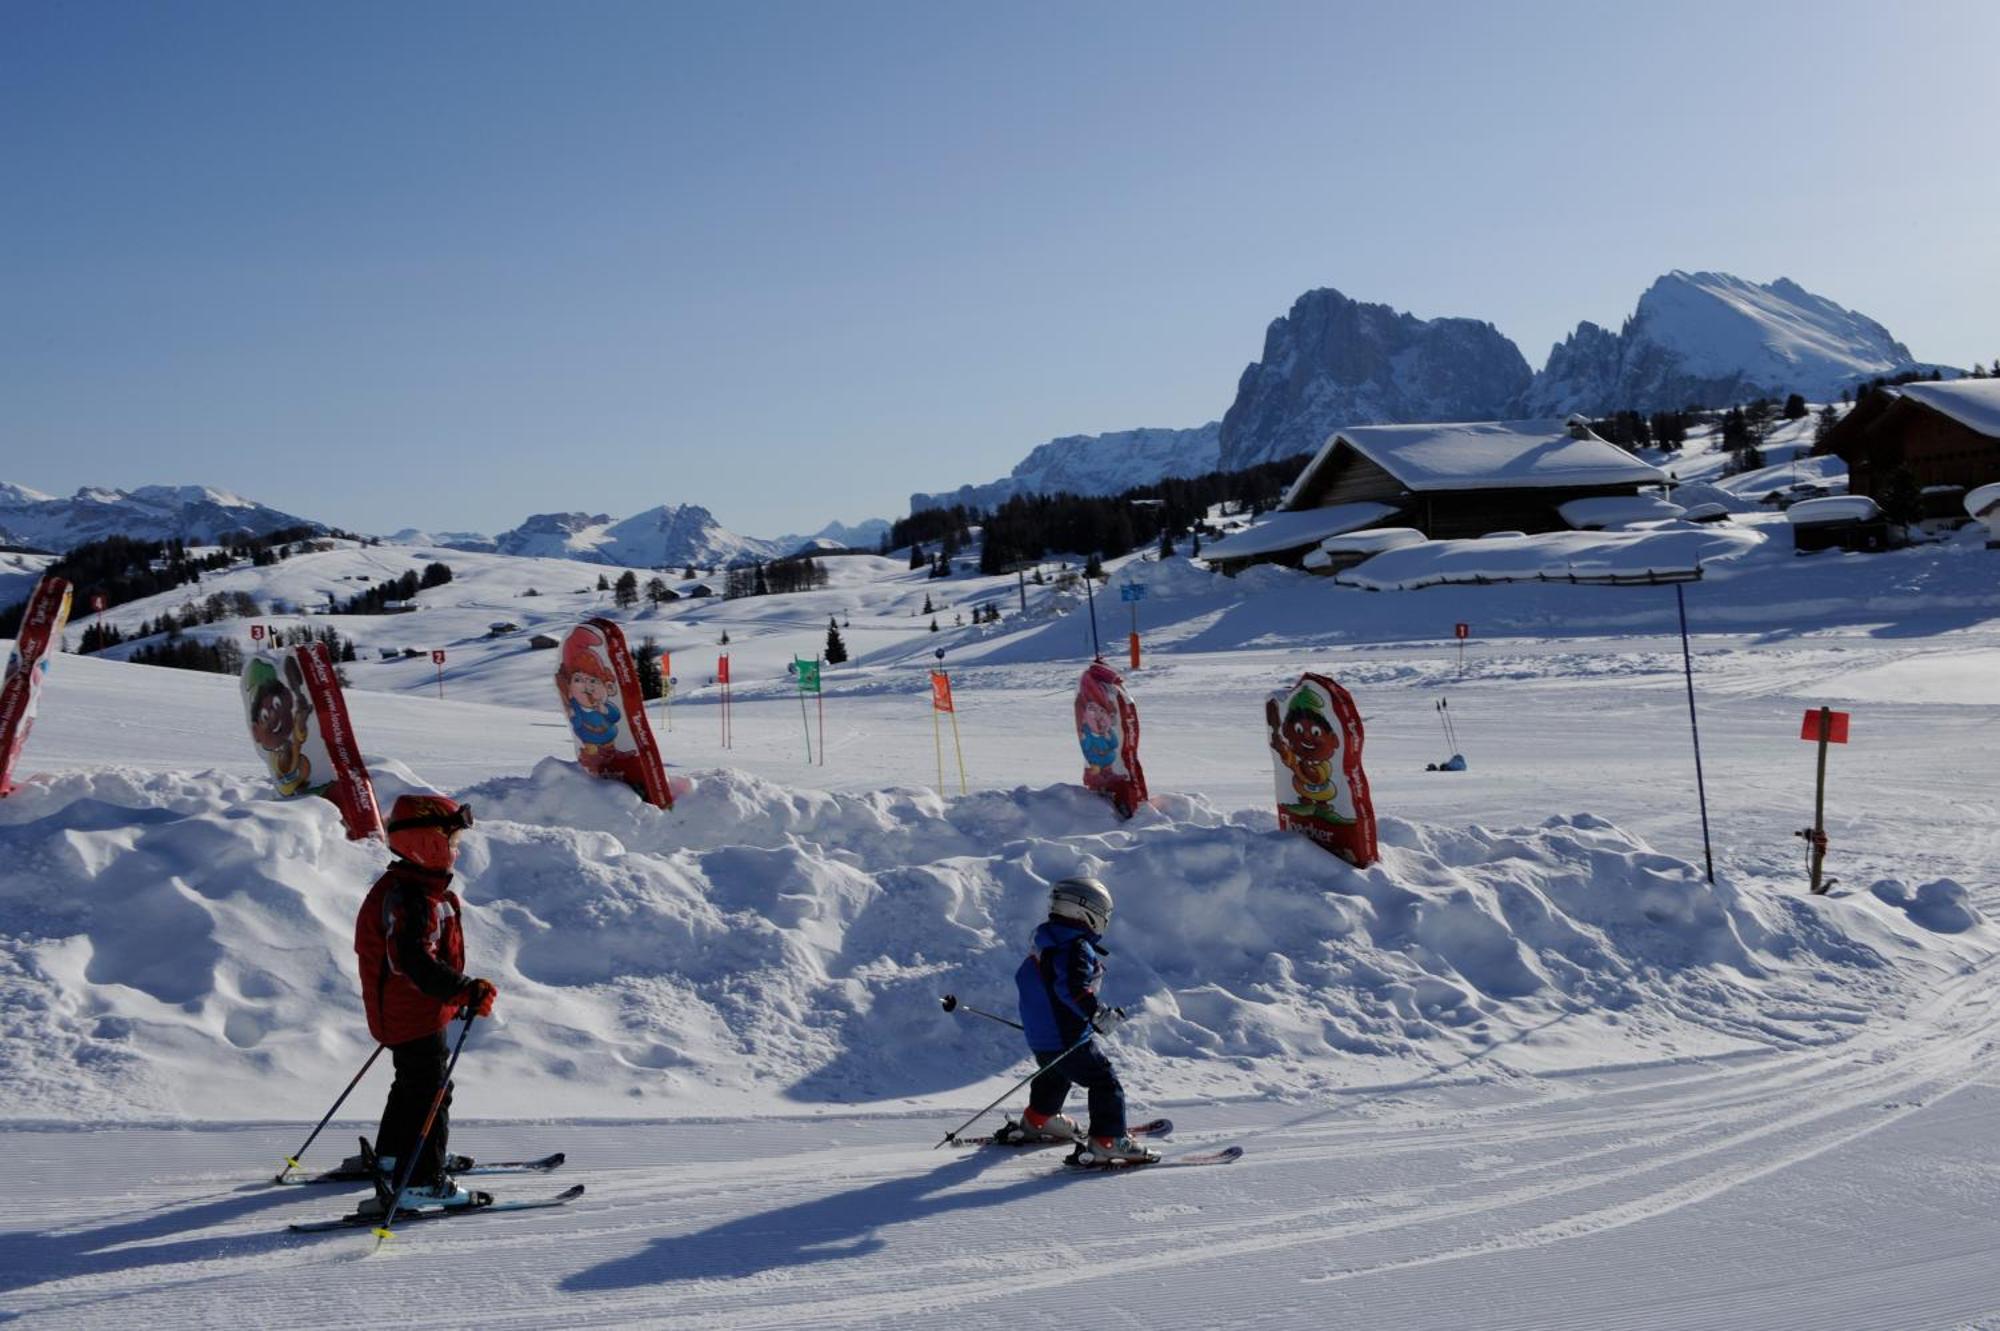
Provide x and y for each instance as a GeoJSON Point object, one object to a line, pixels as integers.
{"type": "Point", "coordinates": [412, 954]}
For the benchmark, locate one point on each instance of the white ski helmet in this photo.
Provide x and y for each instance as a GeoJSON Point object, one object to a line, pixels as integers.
{"type": "Point", "coordinates": [1084, 900]}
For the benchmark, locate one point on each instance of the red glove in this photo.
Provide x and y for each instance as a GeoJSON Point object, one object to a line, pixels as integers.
{"type": "Point", "coordinates": [478, 997]}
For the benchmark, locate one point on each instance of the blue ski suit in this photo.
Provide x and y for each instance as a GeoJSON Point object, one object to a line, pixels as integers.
{"type": "Point", "coordinates": [1058, 984]}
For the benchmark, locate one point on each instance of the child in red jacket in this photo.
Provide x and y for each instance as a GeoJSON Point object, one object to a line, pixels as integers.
{"type": "Point", "coordinates": [411, 950]}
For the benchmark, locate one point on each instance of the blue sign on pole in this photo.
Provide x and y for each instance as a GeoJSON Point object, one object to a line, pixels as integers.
{"type": "Point", "coordinates": [1131, 591]}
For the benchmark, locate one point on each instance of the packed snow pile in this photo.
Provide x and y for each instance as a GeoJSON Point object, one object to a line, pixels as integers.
{"type": "Point", "coordinates": [176, 944]}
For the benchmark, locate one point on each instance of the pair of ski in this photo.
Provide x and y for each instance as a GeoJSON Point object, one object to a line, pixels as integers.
{"type": "Point", "coordinates": [361, 1170]}
{"type": "Point", "coordinates": [1159, 1127]}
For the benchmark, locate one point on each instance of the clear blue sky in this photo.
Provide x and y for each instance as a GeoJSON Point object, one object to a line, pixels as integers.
{"type": "Point", "coordinates": [445, 265]}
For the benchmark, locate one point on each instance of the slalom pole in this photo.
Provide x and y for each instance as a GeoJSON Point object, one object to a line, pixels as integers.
{"type": "Point", "coordinates": [409, 1166]}
{"type": "Point", "coordinates": [960, 748]}
{"type": "Point", "coordinates": [822, 720]}
{"type": "Point", "coordinates": [806, 724]}
{"type": "Point", "coordinates": [953, 1134]}
{"type": "Point", "coordinates": [951, 1004]}
{"type": "Point", "coordinates": [292, 1160]}
{"type": "Point", "coordinates": [1701, 787]}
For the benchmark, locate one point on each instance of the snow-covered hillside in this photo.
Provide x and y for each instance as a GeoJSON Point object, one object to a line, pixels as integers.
{"type": "Point", "coordinates": [1093, 464]}
{"type": "Point", "coordinates": [197, 514]}
{"type": "Point", "coordinates": [1710, 338]}
{"type": "Point", "coordinates": [1532, 1049]}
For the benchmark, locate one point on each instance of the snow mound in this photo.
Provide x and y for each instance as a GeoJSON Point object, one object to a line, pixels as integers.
{"type": "Point", "coordinates": [176, 944]}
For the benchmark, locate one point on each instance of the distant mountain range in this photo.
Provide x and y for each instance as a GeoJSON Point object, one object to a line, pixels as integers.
{"type": "Point", "coordinates": [1706, 339]}
{"type": "Point", "coordinates": [667, 536]}
{"type": "Point", "coordinates": [192, 513]}
{"type": "Point", "coordinates": [1093, 464]}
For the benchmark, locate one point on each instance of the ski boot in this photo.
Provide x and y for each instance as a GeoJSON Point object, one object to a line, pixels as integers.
{"type": "Point", "coordinates": [1035, 1129]}
{"type": "Point", "coordinates": [1103, 1151]}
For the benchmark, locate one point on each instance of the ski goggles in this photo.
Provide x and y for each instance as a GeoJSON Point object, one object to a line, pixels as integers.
{"type": "Point", "coordinates": [458, 820]}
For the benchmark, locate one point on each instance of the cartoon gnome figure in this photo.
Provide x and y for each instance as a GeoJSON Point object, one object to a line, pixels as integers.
{"type": "Point", "coordinates": [587, 686]}
{"type": "Point", "coordinates": [1306, 741]}
{"type": "Point", "coordinates": [280, 720]}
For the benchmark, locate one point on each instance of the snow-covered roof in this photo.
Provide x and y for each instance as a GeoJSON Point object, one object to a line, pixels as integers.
{"type": "Point", "coordinates": [1277, 532]}
{"type": "Point", "coordinates": [1984, 501]}
{"type": "Point", "coordinates": [1973, 403]}
{"type": "Point", "coordinates": [1373, 540]}
{"type": "Point", "coordinates": [1833, 508]}
{"type": "Point", "coordinates": [1604, 512]}
{"type": "Point", "coordinates": [1553, 557]}
{"type": "Point", "coordinates": [1485, 454]}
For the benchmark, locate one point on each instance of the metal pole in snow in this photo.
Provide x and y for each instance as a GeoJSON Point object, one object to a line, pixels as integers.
{"type": "Point", "coordinates": [1818, 847]}
{"type": "Point", "coordinates": [1701, 787]}
{"type": "Point", "coordinates": [1096, 650]}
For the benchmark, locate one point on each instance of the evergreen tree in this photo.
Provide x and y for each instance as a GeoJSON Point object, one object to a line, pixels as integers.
{"type": "Point", "coordinates": [836, 649]}
{"type": "Point", "coordinates": [1795, 408]}
{"type": "Point", "coordinates": [762, 587]}
{"type": "Point", "coordinates": [603, 583]}
{"type": "Point", "coordinates": [1194, 545]}
{"type": "Point", "coordinates": [688, 575]}
{"type": "Point", "coordinates": [652, 682]}
{"type": "Point", "coordinates": [1093, 567]}
{"type": "Point", "coordinates": [934, 626]}
{"type": "Point", "coordinates": [917, 556]}
{"type": "Point", "coordinates": [1823, 424]}
{"type": "Point", "coordinates": [928, 607]}
{"type": "Point", "coordinates": [725, 638]}
{"type": "Point", "coordinates": [626, 594]}
{"type": "Point", "coordinates": [1166, 544]}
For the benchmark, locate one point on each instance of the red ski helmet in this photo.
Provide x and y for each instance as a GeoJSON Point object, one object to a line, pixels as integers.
{"type": "Point", "coordinates": [420, 828]}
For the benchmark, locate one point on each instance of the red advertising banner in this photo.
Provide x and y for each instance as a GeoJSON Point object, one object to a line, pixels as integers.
{"type": "Point", "coordinates": [298, 721]}
{"type": "Point", "coordinates": [35, 644]}
{"type": "Point", "coordinates": [599, 687]}
{"type": "Point", "coordinates": [1107, 728]}
{"type": "Point", "coordinates": [941, 692]}
{"type": "Point", "coordinates": [1316, 737]}
{"type": "Point", "coordinates": [1836, 726]}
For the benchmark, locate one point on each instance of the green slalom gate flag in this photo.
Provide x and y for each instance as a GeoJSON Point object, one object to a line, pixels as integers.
{"type": "Point", "coordinates": [808, 672]}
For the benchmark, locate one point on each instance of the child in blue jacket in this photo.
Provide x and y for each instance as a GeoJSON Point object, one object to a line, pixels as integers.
{"type": "Point", "coordinates": [1060, 1009]}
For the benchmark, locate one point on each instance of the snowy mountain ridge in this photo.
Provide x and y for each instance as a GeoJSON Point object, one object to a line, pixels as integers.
{"type": "Point", "coordinates": [1712, 338]}
{"type": "Point", "coordinates": [1701, 338]}
{"type": "Point", "coordinates": [196, 513]}
{"type": "Point", "coordinates": [1093, 464]}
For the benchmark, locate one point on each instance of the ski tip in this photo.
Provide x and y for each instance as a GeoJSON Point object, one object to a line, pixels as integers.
{"type": "Point", "coordinates": [571, 1193]}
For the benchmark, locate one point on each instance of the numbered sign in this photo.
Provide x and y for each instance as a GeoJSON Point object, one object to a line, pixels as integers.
{"type": "Point", "coordinates": [256, 633]}
{"type": "Point", "coordinates": [437, 658]}
{"type": "Point", "coordinates": [1463, 631]}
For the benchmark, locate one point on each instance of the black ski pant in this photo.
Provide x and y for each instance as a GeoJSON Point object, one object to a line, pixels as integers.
{"type": "Point", "coordinates": [1086, 1067]}
{"type": "Point", "coordinates": [420, 1066]}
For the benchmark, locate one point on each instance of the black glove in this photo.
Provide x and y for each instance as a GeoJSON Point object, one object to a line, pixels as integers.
{"type": "Point", "coordinates": [1107, 1020]}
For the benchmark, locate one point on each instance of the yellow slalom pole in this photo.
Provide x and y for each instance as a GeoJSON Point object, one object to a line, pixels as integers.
{"type": "Point", "coordinates": [961, 753]}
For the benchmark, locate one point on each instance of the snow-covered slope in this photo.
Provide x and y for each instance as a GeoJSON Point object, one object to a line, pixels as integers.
{"type": "Point", "coordinates": [197, 514]}
{"type": "Point", "coordinates": [1713, 339]}
{"type": "Point", "coordinates": [1093, 464]}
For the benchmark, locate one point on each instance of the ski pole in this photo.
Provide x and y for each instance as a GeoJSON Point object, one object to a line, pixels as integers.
{"type": "Point", "coordinates": [951, 1004]}
{"type": "Point", "coordinates": [409, 1166]}
{"type": "Point", "coordinates": [292, 1160]}
{"type": "Point", "coordinates": [953, 1134]}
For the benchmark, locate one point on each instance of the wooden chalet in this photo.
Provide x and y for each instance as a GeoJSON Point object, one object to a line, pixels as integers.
{"type": "Point", "coordinates": [1447, 481]}
{"type": "Point", "coordinates": [1947, 434]}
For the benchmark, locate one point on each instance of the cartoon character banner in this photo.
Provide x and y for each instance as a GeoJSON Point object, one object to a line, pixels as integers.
{"type": "Point", "coordinates": [599, 687]}
{"type": "Point", "coordinates": [298, 721]}
{"type": "Point", "coordinates": [20, 689]}
{"type": "Point", "coordinates": [1107, 727]}
{"type": "Point", "coordinates": [1316, 746]}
